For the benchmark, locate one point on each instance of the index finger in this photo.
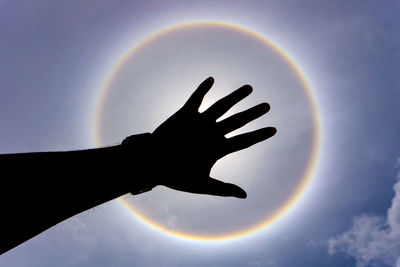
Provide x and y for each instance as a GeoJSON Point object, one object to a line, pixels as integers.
{"type": "Point", "coordinates": [197, 97]}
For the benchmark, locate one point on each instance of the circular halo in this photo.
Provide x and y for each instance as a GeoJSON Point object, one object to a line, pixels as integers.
{"type": "Point", "coordinates": [315, 149]}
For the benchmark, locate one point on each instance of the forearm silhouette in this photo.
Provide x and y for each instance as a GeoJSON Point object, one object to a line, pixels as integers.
{"type": "Point", "coordinates": [42, 189]}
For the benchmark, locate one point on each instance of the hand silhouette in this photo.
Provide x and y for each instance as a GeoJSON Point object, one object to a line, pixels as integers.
{"type": "Point", "coordinates": [187, 145]}
{"type": "Point", "coordinates": [178, 154]}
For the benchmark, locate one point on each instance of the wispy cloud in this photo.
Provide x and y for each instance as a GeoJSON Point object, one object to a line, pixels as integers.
{"type": "Point", "coordinates": [82, 241]}
{"type": "Point", "coordinates": [373, 240]}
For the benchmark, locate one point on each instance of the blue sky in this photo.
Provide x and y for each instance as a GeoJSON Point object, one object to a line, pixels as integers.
{"type": "Point", "coordinates": [54, 57]}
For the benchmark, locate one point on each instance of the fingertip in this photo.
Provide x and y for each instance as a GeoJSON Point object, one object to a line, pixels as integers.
{"type": "Point", "coordinates": [226, 189]}
{"type": "Point", "coordinates": [247, 88]}
{"type": "Point", "coordinates": [210, 80]}
{"type": "Point", "coordinates": [207, 84]}
{"type": "Point", "coordinates": [265, 106]}
{"type": "Point", "coordinates": [268, 131]}
{"type": "Point", "coordinates": [241, 194]}
{"type": "Point", "coordinates": [273, 130]}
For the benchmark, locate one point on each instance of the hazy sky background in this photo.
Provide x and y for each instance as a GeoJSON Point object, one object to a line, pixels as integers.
{"type": "Point", "coordinates": [54, 57]}
{"type": "Point", "coordinates": [158, 78]}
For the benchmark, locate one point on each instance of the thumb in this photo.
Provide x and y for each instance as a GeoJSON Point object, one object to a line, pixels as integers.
{"type": "Point", "coordinates": [219, 188]}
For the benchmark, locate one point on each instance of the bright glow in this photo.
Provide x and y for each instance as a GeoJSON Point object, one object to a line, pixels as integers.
{"type": "Point", "coordinates": [315, 150]}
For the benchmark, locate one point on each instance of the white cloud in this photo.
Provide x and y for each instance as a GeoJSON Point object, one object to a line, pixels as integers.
{"type": "Point", "coordinates": [77, 239]}
{"type": "Point", "coordinates": [373, 240]}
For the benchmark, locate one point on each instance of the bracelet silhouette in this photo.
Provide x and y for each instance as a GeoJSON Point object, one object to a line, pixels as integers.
{"type": "Point", "coordinates": [42, 189]}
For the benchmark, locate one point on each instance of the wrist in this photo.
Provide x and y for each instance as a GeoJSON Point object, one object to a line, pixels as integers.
{"type": "Point", "coordinates": [136, 157]}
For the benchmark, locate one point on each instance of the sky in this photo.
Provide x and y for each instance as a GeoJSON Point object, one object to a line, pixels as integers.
{"type": "Point", "coordinates": [55, 58]}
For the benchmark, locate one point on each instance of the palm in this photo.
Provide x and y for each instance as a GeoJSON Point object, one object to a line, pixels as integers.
{"type": "Point", "coordinates": [189, 143]}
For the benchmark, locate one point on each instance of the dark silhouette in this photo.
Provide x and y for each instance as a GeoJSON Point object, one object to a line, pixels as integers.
{"type": "Point", "coordinates": [42, 189]}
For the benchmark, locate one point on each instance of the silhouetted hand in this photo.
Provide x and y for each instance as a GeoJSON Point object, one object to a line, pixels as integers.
{"type": "Point", "coordinates": [187, 145]}
{"type": "Point", "coordinates": [179, 154]}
